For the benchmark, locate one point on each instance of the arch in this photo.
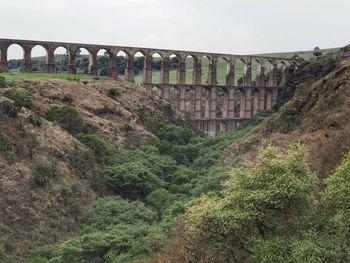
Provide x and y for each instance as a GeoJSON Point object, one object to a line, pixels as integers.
{"type": "Point", "coordinates": [221, 69]}
{"type": "Point", "coordinates": [61, 59]}
{"type": "Point", "coordinates": [268, 99]}
{"type": "Point", "coordinates": [189, 101]}
{"type": "Point", "coordinates": [39, 58]}
{"type": "Point", "coordinates": [221, 95]}
{"type": "Point", "coordinates": [156, 91]}
{"type": "Point", "coordinates": [173, 96]}
{"type": "Point", "coordinates": [82, 60]}
{"type": "Point", "coordinates": [174, 62]}
{"type": "Point", "coordinates": [103, 62]}
{"type": "Point", "coordinates": [221, 126]}
{"type": "Point", "coordinates": [139, 60]}
{"type": "Point", "coordinates": [156, 63]}
{"type": "Point", "coordinates": [205, 105]}
{"type": "Point", "coordinates": [239, 70]}
{"type": "Point", "coordinates": [255, 101]}
{"type": "Point", "coordinates": [190, 61]}
{"type": "Point", "coordinates": [254, 73]}
{"type": "Point", "coordinates": [205, 69]}
{"type": "Point", "coordinates": [15, 57]}
{"type": "Point", "coordinates": [122, 56]}
{"type": "Point", "coordinates": [240, 102]}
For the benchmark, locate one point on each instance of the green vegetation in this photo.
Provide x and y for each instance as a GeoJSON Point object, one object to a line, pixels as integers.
{"type": "Point", "coordinates": [147, 188]}
{"type": "Point", "coordinates": [42, 173]}
{"type": "Point", "coordinates": [269, 212]}
{"type": "Point", "coordinates": [67, 117]}
{"type": "Point", "coordinates": [3, 83]}
{"type": "Point", "coordinates": [19, 98]}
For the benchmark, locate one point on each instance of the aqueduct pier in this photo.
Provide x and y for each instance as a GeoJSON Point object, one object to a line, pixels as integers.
{"type": "Point", "coordinates": [213, 107]}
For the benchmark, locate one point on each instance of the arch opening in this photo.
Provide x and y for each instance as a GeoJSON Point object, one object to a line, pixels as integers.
{"type": "Point", "coordinates": [15, 58]}
{"type": "Point", "coordinates": [82, 60]}
{"type": "Point", "coordinates": [103, 62]}
{"type": "Point", "coordinates": [61, 60]}
{"type": "Point", "coordinates": [189, 63]}
{"type": "Point", "coordinates": [121, 64]}
{"type": "Point", "coordinates": [205, 70]}
{"type": "Point", "coordinates": [174, 61]}
{"type": "Point", "coordinates": [221, 71]}
{"type": "Point", "coordinates": [156, 61]}
{"type": "Point", "coordinates": [239, 72]}
{"type": "Point", "coordinates": [139, 59]}
{"type": "Point", "coordinates": [39, 59]}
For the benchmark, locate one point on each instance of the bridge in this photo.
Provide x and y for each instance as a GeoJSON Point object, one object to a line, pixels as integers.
{"type": "Point", "coordinates": [212, 106]}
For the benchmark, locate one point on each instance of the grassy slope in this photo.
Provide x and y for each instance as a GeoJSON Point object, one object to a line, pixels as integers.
{"type": "Point", "coordinates": [221, 73]}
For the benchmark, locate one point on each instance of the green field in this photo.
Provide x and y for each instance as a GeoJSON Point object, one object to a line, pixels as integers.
{"type": "Point", "coordinates": [221, 70]}
{"type": "Point", "coordinates": [9, 77]}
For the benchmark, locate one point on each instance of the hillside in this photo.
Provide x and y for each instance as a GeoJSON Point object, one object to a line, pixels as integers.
{"type": "Point", "coordinates": [34, 150]}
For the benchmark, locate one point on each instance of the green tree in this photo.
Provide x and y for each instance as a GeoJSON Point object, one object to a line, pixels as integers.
{"type": "Point", "coordinates": [270, 198]}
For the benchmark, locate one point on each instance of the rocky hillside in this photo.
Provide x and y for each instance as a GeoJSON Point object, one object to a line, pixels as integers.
{"type": "Point", "coordinates": [318, 114]}
{"type": "Point", "coordinates": [37, 120]}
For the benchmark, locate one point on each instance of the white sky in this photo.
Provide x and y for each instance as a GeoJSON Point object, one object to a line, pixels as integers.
{"type": "Point", "coordinates": [226, 26]}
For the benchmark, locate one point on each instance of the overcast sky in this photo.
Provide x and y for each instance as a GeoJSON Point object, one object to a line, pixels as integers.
{"type": "Point", "coordinates": [226, 26]}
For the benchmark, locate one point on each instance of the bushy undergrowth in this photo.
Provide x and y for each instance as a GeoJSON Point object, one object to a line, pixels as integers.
{"type": "Point", "coordinates": [67, 117]}
{"type": "Point", "coordinates": [160, 177]}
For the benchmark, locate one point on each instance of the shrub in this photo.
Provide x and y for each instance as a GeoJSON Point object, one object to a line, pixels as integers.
{"type": "Point", "coordinates": [113, 92]}
{"type": "Point", "coordinates": [67, 117]}
{"type": "Point", "coordinates": [34, 119]}
{"type": "Point", "coordinates": [19, 98]}
{"type": "Point", "coordinates": [3, 83]}
{"type": "Point", "coordinates": [67, 98]}
{"type": "Point", "coordinates": [42, 173]}
{"type": "Point", "coordinates": [9, 108]}
{"type": "Point", "coordinates": [133, 180]}
{"type": "Point", "coordinates": [101, 148]}
{"type": "Point", "coordinates": [10, 157]}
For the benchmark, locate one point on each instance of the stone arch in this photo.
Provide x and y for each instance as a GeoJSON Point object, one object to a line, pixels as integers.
{"type": "Point", "coordinates": [240, 103]}
{"type": "Point", "coordinates": [205, 60]}
{"type": "Point", "coordinates": [238, 69]}
{"type": "Point", "coordinates": [15, 57]}
{"type": "Point", "coordinates": [156, 64]}
{"type": "Point", "coordinates": [174, 64]}
{"type": "Point", "coordinates": [255, 101]}
{"type": "Point", "coordinates": [221, 95]}
{"type": "Point", "coordinates": [82, 58]}
{"type": "Point", "coordinates": [139, 57]}
{"type": "Point", "coordinates": [189, 101]}
{"type": "Point", "coordinates": [61, 57]}
{"type": "Point", "coordinates": [104, 62]}
{"type": "Point", "coordinates": [123, 56]}
{"type": "Point", "coordinates": [39, 58]}
{"type": "Point", "coordinates": [222, 70]}
{"type": "Point", "coordinates": [190, 62]}
{"type": "Point", "coordinates": [221, 126]}
{"type": "Point", "coordinates": [260, 72]}
{"type": "Point", "coordinates": [205, 105]}
{"type": "Point", "coordinates": [268, 99]}
{"type": "Point", "coordinates": [174, 96]}
{"type": "Point", "coordinates": [156, 91]}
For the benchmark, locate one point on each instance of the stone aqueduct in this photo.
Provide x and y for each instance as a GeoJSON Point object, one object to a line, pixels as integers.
{"type": "Point", "coordinates": [211, 106]}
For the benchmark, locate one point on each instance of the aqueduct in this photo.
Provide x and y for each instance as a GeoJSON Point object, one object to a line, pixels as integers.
{"type": "Point", "coordinates": [213, 106]}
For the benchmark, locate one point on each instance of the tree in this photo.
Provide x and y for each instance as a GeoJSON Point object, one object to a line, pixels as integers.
{"type": "Point", "coordinates": [263, 203]}
{"type": "Point", "coordinates": [317, 52]}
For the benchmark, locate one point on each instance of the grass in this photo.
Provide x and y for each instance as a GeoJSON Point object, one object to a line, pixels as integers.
{"type": "Point", "coordinates": [221, 70]}
{"type": "Point", "coordinates": [9, 77]}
